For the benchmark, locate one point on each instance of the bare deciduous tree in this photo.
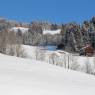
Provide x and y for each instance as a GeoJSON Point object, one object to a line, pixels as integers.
{"type": "Point", "coordinates": [53, 59]}
{"type": "Point", "coordinates": [40, 53]}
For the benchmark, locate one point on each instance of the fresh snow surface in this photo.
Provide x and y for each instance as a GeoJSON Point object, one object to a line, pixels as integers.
{"type": "Point", "coordinates": [79, 63]}
{"type": "Point", "coordinates": [52, 32]}
{"type": "Point", "coordinates": [28, 77]}
{"type": "Point", "coordinates": [23, 29]}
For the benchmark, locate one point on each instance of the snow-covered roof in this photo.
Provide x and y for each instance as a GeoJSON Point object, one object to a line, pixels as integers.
{"type": "Point", "coordinates": [23, 29]}
{"type": "Point", "coordinates": [52, 32]}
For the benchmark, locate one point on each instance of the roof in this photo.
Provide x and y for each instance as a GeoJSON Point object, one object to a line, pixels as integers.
{"type": "Point", "coordinates": [52, 32]}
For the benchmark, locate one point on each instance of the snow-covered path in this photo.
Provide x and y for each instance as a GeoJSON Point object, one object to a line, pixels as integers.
{"type": "Point", "coordinates": [28, 77]}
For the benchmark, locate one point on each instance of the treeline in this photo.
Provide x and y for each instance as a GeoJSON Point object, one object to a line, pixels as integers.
{"type": "Point", "coordinates": [9, 44]}
{"type": "Point", "coordinates": [76, 36]}
{"type": "Point", "coordinates": [72, 35]}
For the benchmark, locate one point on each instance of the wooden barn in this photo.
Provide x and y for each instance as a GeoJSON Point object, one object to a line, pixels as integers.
{"type": "Point", "coordinates": [87, 51]}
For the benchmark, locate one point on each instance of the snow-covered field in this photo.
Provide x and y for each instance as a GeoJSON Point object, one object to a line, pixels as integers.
{"type": "Point", "coordinates": [61, 58]}
{"type": "Point", "coordinates": [20, 76]}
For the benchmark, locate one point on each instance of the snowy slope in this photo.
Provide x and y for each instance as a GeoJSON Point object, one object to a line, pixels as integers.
{"type": "Point", "coordinates": [28, 77]}
{"type": "Point", "coordinates": [52, 32]}
{"type": "Point", "coordinates": [78, 63]}
{"type": "Point", "coordinates": [31, 50]}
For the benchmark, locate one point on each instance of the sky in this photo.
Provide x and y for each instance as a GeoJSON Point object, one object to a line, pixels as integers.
{"type": "Point", "coordinates": [56, 11]}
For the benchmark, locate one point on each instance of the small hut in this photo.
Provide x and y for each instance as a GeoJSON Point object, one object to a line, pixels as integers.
{"type": "Point", "coordinates": [87, 51]}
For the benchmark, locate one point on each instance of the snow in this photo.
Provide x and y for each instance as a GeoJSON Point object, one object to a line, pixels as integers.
{"type": "Point", "coordinates": [76, 62]}
{"type": "Point", "coordinates": [52, 32]}
{"type": "Point", "coordinates": [29, 77]}
{"type": "Point", "coordinates": [30, 51]}
{"type": "Point", "coordinates": [23, 29]}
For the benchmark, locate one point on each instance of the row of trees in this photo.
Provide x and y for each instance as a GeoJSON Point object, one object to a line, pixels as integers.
{"type": "Point", "coordinates": [76, 36]}
{"type": "Point", "coordinates": [10, 44]}
{"type": "Point", "coordinates": [73, 36]}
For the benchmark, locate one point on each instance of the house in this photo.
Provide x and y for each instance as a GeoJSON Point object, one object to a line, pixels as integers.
{"type": "Point", "coordinates": [87, 51]}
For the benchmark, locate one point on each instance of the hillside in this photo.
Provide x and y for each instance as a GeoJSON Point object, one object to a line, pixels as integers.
{"type": "Point", "coordinates": [61, 58]}
{"type": "Point", "coordinates": [28, 77]}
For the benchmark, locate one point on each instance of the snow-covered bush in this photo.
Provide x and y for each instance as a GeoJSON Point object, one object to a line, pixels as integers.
{"type": "Point", "coordinates": [20, 52]}
{"type": "Point", "coordinates": [40, 53]}
{"type": "Point", "coordinates": [53, 59]}
{"type": "Point", "coordinates": [74, 64]}
{"type": "Point", "coordinates": [16, 50]}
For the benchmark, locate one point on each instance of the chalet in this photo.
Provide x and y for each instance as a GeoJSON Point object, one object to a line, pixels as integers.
{"type": "Point", "coordinates": [87, 51]}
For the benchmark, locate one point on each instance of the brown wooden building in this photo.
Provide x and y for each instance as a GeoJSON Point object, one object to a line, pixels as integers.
{"type": "Point", "coordinates": [87, 51]}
